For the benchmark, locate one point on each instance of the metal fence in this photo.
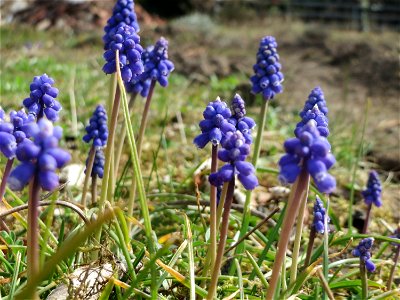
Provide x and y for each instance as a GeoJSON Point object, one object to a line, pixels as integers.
{"type": "Point", "coordinates": [362, 15]}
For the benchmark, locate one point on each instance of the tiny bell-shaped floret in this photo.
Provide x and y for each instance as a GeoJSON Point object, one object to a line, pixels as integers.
{"type": "Point", "coordinates": [363, 251]}
{"type": "Point", "coordinates": [42, 99]}
{"type": "Point", "coordinates": [268, 77]}
{"type": "Point", "coordinates": [372, 193]}
{"type": "Point", "coordinates": [97, 129]}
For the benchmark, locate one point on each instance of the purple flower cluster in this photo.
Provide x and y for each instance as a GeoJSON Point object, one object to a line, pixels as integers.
{"type": "Point", "coordinates": [97, 129]}
{"type": "Point", "coordinates": [126, 41]}
{"type": "Point", "coordinates": [157, 66]}
{"type": "Point", "coordinates": [139, 84]}
{"type": "Point", "coordinates": [123, 14]}
{"type": "Point", "coordinates": [40, 157]}
{"type": "Point", "coordinates": [319, 215]}
{"type": "Point", "coordinates": [42, 98]}
{"type": "Point", "coordinates": [239, 120]}
{"type": "Point", "coordinates": [98, 165]}
{"type": "Point", "coordinates": [311, 151]}
{"type": "Point", "coordinates": [372, 194]}
{"type": "Point", "coordinates": [268, 77]}
{"type": "Point", "coordinates": [363, 251]}
{"type": "Point", "coordinates": [316, 98]}
{"type": "Point", "coordinates": [215, 124]}
{"type": "Point", "coordinates": [234, 152]}
{"type": "Point", "coordinates": [14, 132]}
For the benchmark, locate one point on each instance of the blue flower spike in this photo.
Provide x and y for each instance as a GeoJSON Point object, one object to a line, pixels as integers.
{"type": "Point", "coordinates": [319, 216]}
{"type": "Point", "coordinates": [268, 77]}
{"type": "Point", "coordinates": [311, 151]}
{"type": "Point", "coordinates": [97, 130]}
{"type": "Point", "coordinates": [42, 99]}
{"type": "Point", "coordinates": [127, 42]}
{"type": "Point", "coordinates": [40, 157]}
{"type": "Point", "coordinates": [373, 191]}
{"type": "Point", "coordinates": [363, 251]}
{"type": "Point", "coordinates": [242, 123]}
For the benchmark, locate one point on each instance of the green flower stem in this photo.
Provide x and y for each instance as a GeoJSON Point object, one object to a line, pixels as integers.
{"type": "Point", "coordinates": [145, 116]}
{"type": "Point", "coordinates": [325, 266]}
{"type": "Point", "coordinates": [89, 168]}
{"type": "Point", "coordinates": [33, 231]}
{"type": "Point", "coordinates": [122, 136]}
{"type": "Point", "coordinates": [221, 203]}
{"type": "Point", "coordinates": [310, 246]}
{"type": "Point", "coordinates": [297, 193]}
{"type": "Point", "coordinates": [256, 155]}
{"type": "Point", "coordinates": [213, 209]}
{"type": "Point", "coordinates": [111, 93]}
{"type": "Point", "coordinates": [367, 217]}
{"type": "Point", "coordinates": [110, 142]}
{"type": "Point", "coordinates": [7, 171]}
{"type": "Point", "coordinates": [222, 241]}
{"type": "Point", "coordinates": [364, 280]}
{"type": "Point", "coordinates": [139, 181]}
{"type": "Point", "coordinates": [391, 276]}
{"type": "Point", "coordinates": [142, 129]}
{"type": "Point", "coordinates": [299, 231]}
{"type": "Point", "coordinates": [94, 188]}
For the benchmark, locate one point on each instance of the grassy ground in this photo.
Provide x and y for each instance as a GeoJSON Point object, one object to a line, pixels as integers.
{"type": "Point", "coordinates": [170, 159]}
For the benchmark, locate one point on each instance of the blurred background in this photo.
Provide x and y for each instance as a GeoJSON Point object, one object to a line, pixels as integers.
{"type": "Point", "coordinates": [349, 48]}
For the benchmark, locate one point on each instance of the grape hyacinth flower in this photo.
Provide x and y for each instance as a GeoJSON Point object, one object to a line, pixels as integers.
{"type": "Point", "coordinates": [317, 226]}
{"type": "Point", "coordinates": [14, 132]}
{"type": "Point", "coordinates": [123, 14]}
{"type": "Point", "coordinates": [371, 195]}
{"type": "Point", "coordinates": [215, 124]}
{"type": "Point", "coordinates": [39, 160]}
{"type": "Point", "coordinates": [40, 157]}
{"type": "Point", "coordinates": [97, 129]}
{"type": "Point", "coordinates": [234, 152]}
{"type": "Point", "coordinates": [20, 127]}
{"type": "Point", "coordinates": [157, 66]}
{"type": "Point", "coordinates": [363, 251]}
{"type": "Point", "coordinates": [42, 99]}
{"type": "Point", "coordinates": [98, 165]}
{"type": "Point", "coordinates": [316, 98]}
{"type": "Point", "coordinates": [268, 77]}
{"type": "Point", "coordinates": [140, 84]}
{"type": "Point", "coordinates": [127, 42]}
{"type": "Point", "coordinates": [311, 151]}
{"type": "Point", "coordinates": [242, 123]}
{"type": "Point", "coordinates": [319, 216]}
